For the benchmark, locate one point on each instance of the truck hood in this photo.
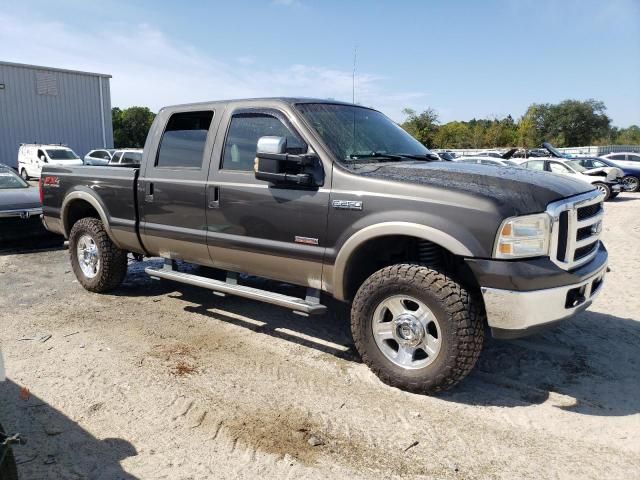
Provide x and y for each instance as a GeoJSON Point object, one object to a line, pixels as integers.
{"type": "Point", "coordinates": [19, 198]}
{"type": "Point", "coordinates": [518, 191]}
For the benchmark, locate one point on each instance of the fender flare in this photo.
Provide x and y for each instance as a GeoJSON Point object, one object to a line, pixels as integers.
{"type": "Point", "coordinates": [90, 199]}
{"type": "Point", "coordinates": [356, 240]}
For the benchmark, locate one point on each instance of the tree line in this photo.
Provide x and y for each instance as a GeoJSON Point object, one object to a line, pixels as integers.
{"type": "Point", "coordinates": [571, 123]}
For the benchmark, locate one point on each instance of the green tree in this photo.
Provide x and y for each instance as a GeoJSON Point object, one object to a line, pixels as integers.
{"type": "Point", "coordinates": [628, 136]}
{"type": "Point", "coordinates": [453, 135]}
{"type": "Point", "coordinates": [527, 132]}
{"type": "Point", "coordinates": [130, 126]}
{"type": "Point", "coordinates": [423, 126]}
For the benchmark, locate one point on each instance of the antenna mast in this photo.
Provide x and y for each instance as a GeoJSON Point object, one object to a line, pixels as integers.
{"type": "Point", "coordinates": [353, 76]}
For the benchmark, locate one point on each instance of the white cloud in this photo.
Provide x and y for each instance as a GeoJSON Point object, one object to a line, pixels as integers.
{"type": "Point", "coordinates": [151, 69]}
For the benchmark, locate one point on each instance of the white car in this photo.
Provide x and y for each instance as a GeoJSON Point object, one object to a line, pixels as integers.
{"type": "Point", "coordinates": [31, 158]}
{"type": "Point", "coordinates": [605, 180]}
{"type": "Point", "coordinates": [127, 156]}
{"type": "Point", "coordinates": [501, 162]}
{"type": "Point", "coordinates": [100, 156]}
{"type": "Point", "coordinates": [624, 159]}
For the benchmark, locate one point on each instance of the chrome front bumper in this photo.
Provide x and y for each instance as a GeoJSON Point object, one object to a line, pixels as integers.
{"type": "Point", "coordinates": [513, 314]}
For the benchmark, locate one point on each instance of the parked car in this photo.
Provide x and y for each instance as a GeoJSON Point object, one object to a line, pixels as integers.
{"type": "Point", "coordinates": [20, 208]}
{"type": "Point", "coordinates": [446, 156]}
{"type": "Point", "coordinates": [490, 161]}
{"type": "Point", "coordinates": [609, 186]}
{"type": "Point", "coordinates": [100, 156]}
{"type": "Point", "coordinates": [8, 468]}
{"type": "Point", "coordinates": [488, 153]}
{"type": "Point", "coordinates": [335, 198]}
{"type": "Point", "coordinates": [126, 157]}
{"type": "Point", "coordinates": [624, 159]}
{"type": "Point", "coordinates": [631, 175]}
{"type": "Point", "coordinates": [31, 158]}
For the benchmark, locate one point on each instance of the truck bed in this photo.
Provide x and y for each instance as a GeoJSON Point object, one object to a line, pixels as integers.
{"type": "Point", "coordinates": [112, 191]}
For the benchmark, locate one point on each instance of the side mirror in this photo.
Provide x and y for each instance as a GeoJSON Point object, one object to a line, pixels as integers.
{"type": "Point", "coordinates": [277, 167]}
{"type": "Point", "coordinates": [43, 159]}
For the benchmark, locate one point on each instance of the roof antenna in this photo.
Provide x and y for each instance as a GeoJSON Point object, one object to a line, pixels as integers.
{"type": "Point", "coordinates": [353, 76]}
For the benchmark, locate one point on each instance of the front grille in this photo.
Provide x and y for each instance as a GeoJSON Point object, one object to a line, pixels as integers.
{"type": "Point", "coordinates": [584, 251]}
{"type": "Point", "coordinates": [589, 211]}
{"type": "Point", "coordinates": [577, 226]}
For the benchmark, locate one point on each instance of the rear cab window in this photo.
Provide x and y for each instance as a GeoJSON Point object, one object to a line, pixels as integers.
{"type": "Point", "coordinates": [183, 141]}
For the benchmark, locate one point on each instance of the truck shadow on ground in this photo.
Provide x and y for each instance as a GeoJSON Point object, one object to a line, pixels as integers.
{"type": "Point", "coordinates": [57, 447]}
{"type": "Point", "coordinates": [588, 365]}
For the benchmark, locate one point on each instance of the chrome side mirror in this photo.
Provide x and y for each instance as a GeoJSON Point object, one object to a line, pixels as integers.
{"type": "Point", "coordinates": [272, 145]}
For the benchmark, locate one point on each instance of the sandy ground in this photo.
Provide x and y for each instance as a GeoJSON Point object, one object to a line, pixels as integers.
{"type": "Point", "coordinates": [159, 380]}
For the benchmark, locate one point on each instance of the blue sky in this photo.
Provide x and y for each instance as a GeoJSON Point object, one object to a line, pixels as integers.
{"type": "Point", "coordinates": [464, 58]}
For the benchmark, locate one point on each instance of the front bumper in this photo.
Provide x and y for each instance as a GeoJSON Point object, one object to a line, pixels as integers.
{"type": "Point", "coordinates": [521, 311]}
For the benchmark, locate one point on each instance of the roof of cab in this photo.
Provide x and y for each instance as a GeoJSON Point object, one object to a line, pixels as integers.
{"type": "Point", "coordinates": [282, 100]}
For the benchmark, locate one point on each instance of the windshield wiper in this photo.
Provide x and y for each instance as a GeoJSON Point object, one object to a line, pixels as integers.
{"type": "Point", "coordinates": [393, 156]}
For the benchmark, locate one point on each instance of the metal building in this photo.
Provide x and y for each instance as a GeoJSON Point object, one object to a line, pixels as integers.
{"type": "Point", "coordinates": [53, 105]}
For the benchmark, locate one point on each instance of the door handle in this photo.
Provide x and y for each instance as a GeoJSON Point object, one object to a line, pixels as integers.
{"type": "Point", "coordinates": [214, 197]}
{"type": "Point", "coordinates": [148, 192]}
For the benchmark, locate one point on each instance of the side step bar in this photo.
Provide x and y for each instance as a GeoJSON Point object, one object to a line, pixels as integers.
{"type": "Point", "coordinates": [298, 305]}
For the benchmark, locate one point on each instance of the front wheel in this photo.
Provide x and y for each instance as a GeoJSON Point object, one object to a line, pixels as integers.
{"type": "Point", "coordinates": [98, 264]}
{"type": "Point", "coordinates": [416, 328]}
{"type": "Point", "coordinates": [24, 174]}
{"type": "Point", "coordinates": [631, 183]}
{"type": "Point", "coordinates": [604, 189]}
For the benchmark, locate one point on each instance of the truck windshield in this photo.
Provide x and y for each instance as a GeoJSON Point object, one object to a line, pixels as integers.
{"type": "Point", "coordinates": [59, 154]}
{"type": "Point", "coordinates": [354, 133]}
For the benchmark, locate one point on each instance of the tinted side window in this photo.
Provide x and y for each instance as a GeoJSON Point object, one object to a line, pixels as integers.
{"type": "Point", "coordinates": [183, 141]}
{"type": "Point", "coordinates": [558, 168]}
{"type": "Point", "coordinates": [131, 158]}
{"type": "Point", "coordinates": [242, 139]}
{"type": "Point", "coordinates": [535, 165]}
{"type": "Point", "coordinates": [617, 157]}
{"type": "Point", "coordinates": [116, 157]}
{"type": "Point", "coordinates": [633, 158]}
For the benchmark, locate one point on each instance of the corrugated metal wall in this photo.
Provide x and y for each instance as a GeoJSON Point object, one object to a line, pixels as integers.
{"type": "Point", "coordinates": [67, 110]}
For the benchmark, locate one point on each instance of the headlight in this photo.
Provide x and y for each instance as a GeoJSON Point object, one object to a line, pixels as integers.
{"type": "Point", "coordinates": [526, 236]}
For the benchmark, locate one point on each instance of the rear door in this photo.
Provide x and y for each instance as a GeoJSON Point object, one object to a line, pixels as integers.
{"type": "Point", "coordinates": [171, 189]}
{"type": "Point", "coordinates": [276, 232]}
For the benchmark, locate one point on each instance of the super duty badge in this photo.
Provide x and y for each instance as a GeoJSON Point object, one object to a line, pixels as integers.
{"type": "Point", "coordinates": [347, 204]}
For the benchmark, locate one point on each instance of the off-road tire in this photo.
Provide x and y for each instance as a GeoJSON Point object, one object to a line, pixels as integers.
{"type": "Point", "coordinates": [8, 468]}
{"type": "Point", "coordinates": [113, 261]}
{"type": "Point", "coordinates": [605, 189]}
{"type": "Point", "coordinates": [460, 314]}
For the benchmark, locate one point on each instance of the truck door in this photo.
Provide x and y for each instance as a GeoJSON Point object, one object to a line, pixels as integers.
{"type": "Point", "coordinates": [171, 187]}
{"type": "Point", "coordinates": [255, 227]}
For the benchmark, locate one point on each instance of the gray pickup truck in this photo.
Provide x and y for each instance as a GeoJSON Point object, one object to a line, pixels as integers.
{"type": "Point", "coordinates": [339, 199]}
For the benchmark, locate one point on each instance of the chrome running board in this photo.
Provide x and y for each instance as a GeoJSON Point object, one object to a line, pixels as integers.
{"type": "Point", "coordinates": [301, 306]}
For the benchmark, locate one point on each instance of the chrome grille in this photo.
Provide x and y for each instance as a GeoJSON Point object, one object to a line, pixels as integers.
{"type": "Point", "coordinates": [576, 229]}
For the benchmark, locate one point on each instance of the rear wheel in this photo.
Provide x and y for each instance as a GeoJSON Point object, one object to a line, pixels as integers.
{"type": "Point", "coordinates": [24, 175]}
{"type": "Point", "coordinates": [631, 183]}
{"type": "Point", "coordinates": [99, 265]}
{"type": "Point", "coordinates": [604, 189]}
{"type": "Point", "coordinates": [417, 328]}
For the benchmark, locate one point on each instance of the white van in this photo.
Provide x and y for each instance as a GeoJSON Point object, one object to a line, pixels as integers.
{"type": "Point", "coordinates": [31, 157]}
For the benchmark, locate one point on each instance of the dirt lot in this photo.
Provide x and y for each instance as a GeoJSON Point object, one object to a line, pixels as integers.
{"type": "Point", "coordinates": [160, 380]}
